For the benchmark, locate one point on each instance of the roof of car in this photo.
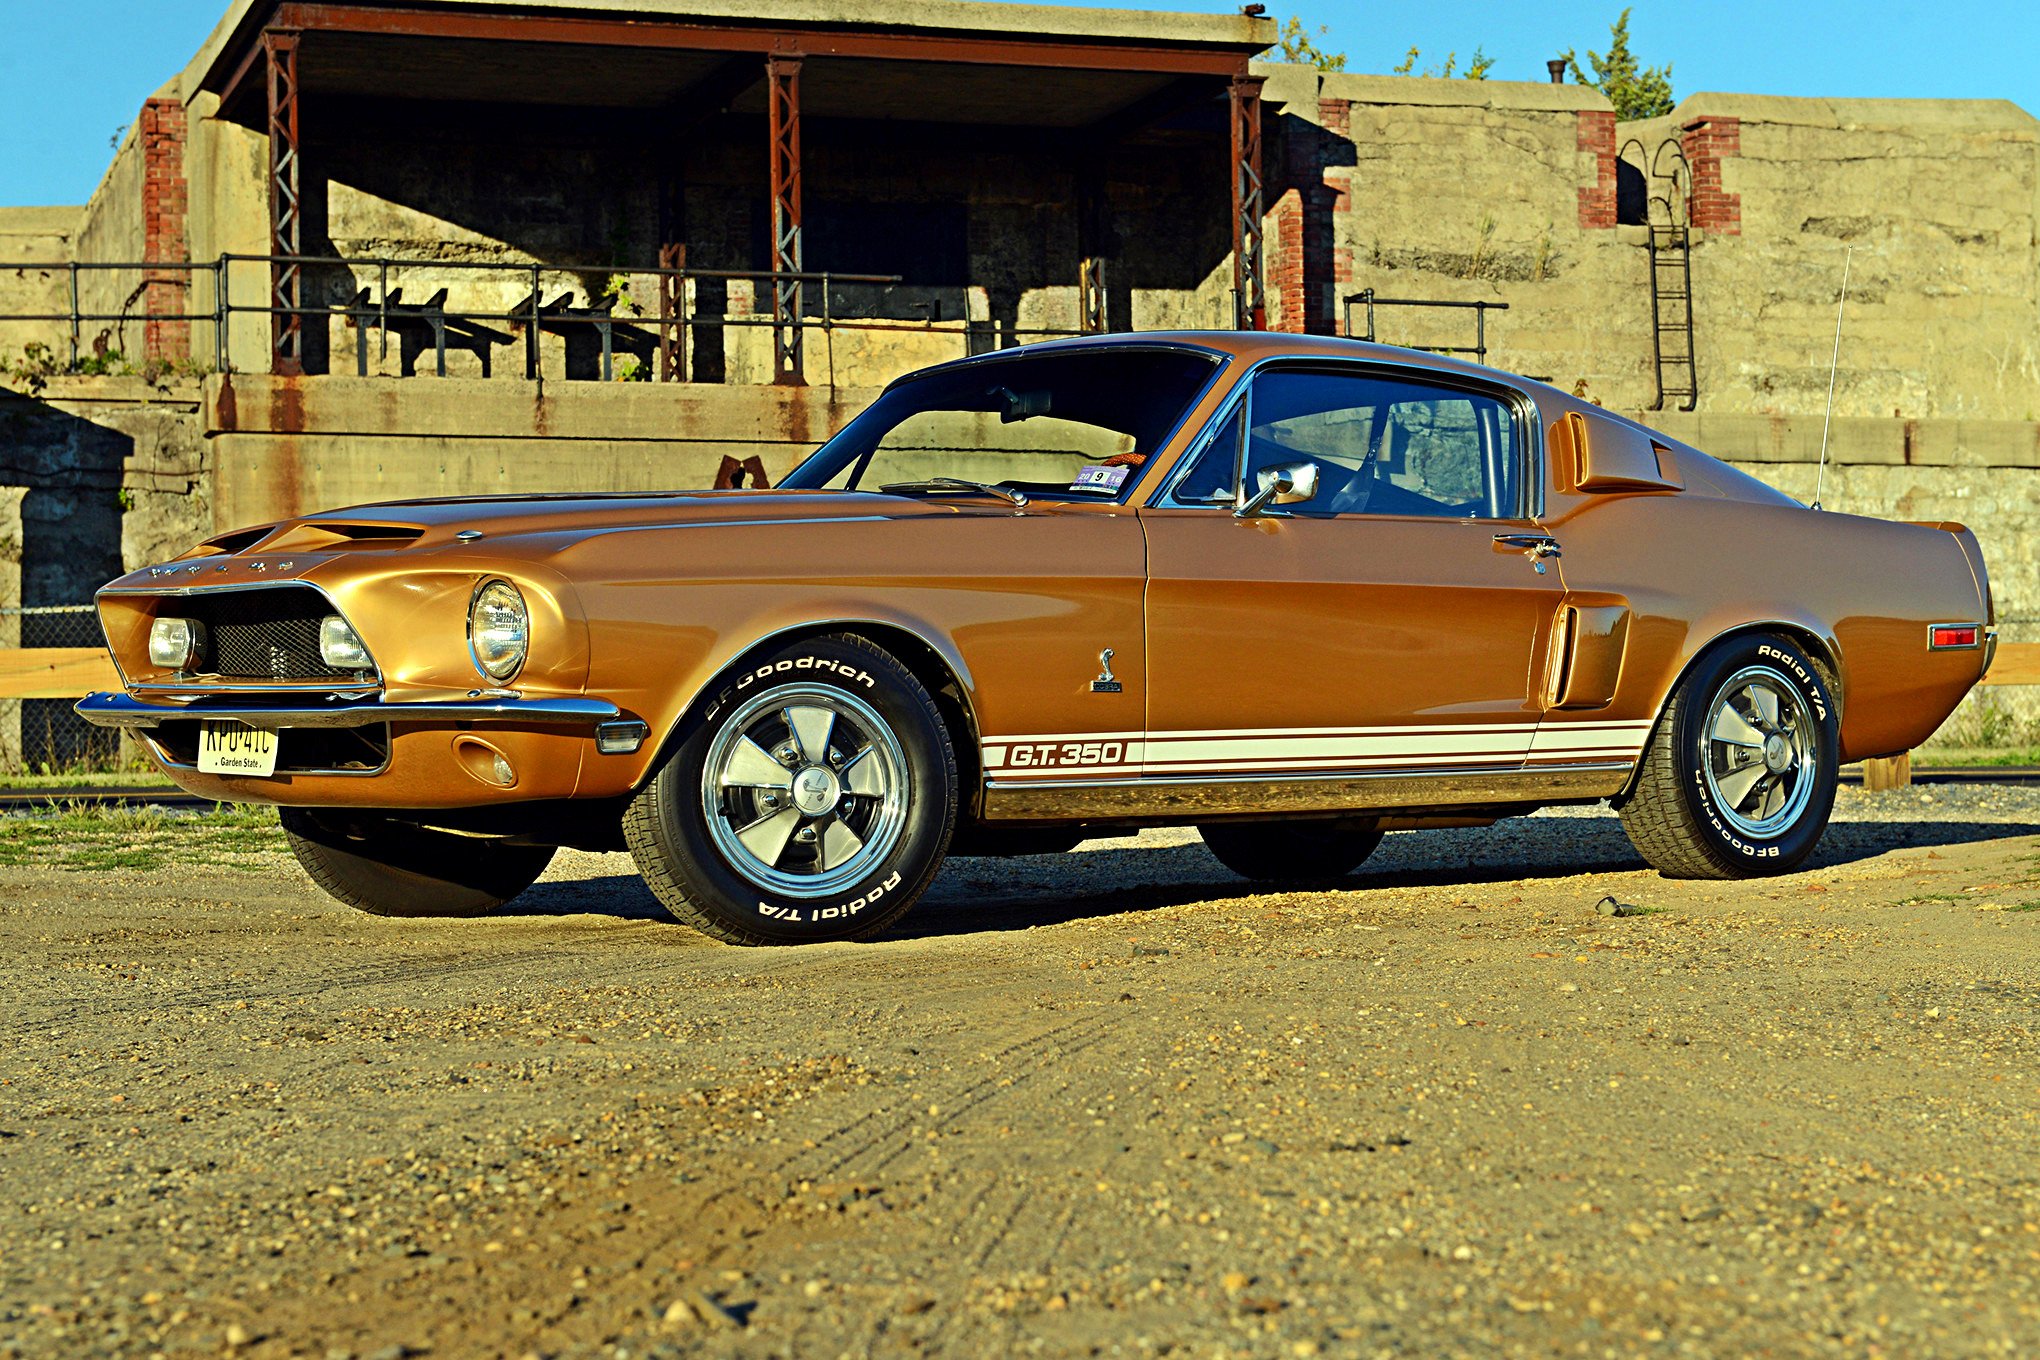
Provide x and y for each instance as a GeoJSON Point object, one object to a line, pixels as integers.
{"type": "Point", "coordinates": [1254, 346]}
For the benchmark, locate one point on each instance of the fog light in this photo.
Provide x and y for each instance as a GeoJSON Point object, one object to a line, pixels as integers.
{"type": "Point", "coordinates": [340, 647]}
{"type": "Point", "coordinates": [174, 644]}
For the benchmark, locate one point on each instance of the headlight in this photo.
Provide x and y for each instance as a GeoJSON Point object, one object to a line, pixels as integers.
{"type": "Point", "coordinates": [340, 647]}
{"type": "Point", "coordinates": [174, 644]}
{"type": "Point", "coordinates": [499, 630]}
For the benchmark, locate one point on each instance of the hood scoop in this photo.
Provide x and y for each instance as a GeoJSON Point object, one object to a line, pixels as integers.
{"type": "Point", "coordinates": [340, 535]}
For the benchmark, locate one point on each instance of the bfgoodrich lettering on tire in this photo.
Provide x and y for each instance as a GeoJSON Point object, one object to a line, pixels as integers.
{"type": "Point", "coordinates": [811, 797]}
{"type": "Point", "coordinates": [1739, 776]}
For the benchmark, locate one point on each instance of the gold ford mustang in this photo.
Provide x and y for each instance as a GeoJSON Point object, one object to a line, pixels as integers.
{"type": "Point", "coordinates": [1296, 592]}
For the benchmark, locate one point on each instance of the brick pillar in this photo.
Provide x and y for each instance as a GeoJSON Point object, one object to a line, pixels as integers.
{"type": "Point", "coordinates": [1305, 266]}
{"type": "Point", "coordinates": [168, 291]}
{"type": "Point", "coordinates": [1597, 137]}
{"type": "Point", "coordinates": [1337, 117]}
{"type": "Point", "coordinates": [1284, 245]}
{"type": "Point", "coordinates": [1706, 141]}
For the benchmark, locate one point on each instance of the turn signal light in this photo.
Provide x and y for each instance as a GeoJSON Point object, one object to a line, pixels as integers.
{"type": "Point", "coordinates": [1951, 635]}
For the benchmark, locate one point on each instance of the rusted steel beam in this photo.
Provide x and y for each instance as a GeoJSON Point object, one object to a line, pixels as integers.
{"type": "Point", "coordinates": [286, 216]}
{"type": "Point", "coordinates": [1250, 300]}
{"type": "Point", "coordinates": [783, 75]}
{"type": "Point", "coordinates": [673, 313]}
{"type": "Point", "coordinates": [696, 36]}
{"type": "Point", "coordinates": [1094, 241]}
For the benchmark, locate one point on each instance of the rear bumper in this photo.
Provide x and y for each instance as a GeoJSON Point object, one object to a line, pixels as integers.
{"type": "Point", "coordinates": [122, 710]}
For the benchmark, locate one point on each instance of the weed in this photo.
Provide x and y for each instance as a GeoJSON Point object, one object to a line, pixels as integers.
{"type": "Point", "coordinates": [81, 837]}
{"type": "Point", "coordinates": [1926, 899]}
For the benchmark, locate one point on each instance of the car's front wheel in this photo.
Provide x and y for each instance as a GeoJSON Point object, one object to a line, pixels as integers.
{"type": "Point", "coordinates": [1739, 776]}
{"type": "Point", "coordinates": [811, 798]}
{"type": "Point", "coordinates": [1291, 851]}
{"type": "Point", "coordinates": [392, 868]}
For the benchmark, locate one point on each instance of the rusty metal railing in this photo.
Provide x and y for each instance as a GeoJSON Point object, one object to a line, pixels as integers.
{"type": "Point", "coordinates": [371, 301]}
{"type": "Point", "coordinates": [1480, 308]}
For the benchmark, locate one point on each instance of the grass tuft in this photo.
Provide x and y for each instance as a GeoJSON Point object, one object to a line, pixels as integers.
{"type": "Point", "coordinates": [86, 837]}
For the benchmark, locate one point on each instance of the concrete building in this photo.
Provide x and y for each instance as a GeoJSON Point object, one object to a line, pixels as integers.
{"type": "Point", "coordinates": [391, 248]}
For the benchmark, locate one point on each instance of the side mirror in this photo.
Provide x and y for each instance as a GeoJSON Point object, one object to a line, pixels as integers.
{"type": "Point", "coordinates": [1281, 484]}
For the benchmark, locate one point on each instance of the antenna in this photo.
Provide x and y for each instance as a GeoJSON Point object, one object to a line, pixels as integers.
{"type": "Point", "coordinates": [1834, 364]}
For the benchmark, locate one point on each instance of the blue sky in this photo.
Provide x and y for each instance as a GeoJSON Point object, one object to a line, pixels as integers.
{"type": "Point", "coordinates": [72, 72]}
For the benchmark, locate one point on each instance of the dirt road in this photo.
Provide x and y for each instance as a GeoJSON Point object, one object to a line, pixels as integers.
{"type": "Point", "coordinates": [1115, 1102]}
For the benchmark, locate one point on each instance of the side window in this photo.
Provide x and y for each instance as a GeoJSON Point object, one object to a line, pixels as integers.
{"type": "Point", "coordinates": [1386, 446]}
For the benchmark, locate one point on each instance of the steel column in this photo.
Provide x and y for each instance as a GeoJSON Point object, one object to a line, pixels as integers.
{"type": "Point", "coordinates": [783, 76]}
{"type": "Point", "coordinates": [286, 238]}
{"type": "Point", "coordinates": [1250, 301]}
{"type": "Point", "coordinates": [672, 313]}
{"type": "Point", "coordinates": [1094, 241]}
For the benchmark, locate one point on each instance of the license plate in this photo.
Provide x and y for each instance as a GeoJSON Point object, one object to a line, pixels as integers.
{"type": "Point", "coordinates": [230, 748]}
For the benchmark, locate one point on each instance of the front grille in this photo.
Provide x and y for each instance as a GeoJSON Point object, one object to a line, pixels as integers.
{"type": "Point", "coordinates": [267, 634]}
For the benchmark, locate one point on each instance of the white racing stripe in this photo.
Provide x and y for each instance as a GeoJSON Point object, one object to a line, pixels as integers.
{"type": "Point", "coordinates": [1095, 755]}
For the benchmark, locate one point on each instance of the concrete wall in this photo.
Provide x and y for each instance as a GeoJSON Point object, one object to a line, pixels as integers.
{"type": "Point", "coordinates": [291, 446]}
{"type": "Point", "coordinates": [42, 236]}
{"type": "Point", "coordinates": [1457, 190]}
{"type": "Point", "coordinates": [1937, 200]}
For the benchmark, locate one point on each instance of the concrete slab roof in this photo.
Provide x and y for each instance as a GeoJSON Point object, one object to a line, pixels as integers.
{"type": "Point", "coordinates": [1016, 26]}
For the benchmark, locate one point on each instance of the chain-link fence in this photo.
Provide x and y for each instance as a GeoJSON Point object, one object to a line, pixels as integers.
{"type": "Point", "coordinates": [45, 734]}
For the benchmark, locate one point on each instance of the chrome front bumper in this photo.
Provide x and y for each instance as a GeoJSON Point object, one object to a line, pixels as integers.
{"type": "Point", "coordinates": [122, 710]}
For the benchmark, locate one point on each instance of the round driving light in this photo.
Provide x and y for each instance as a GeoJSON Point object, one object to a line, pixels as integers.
{"type": "Point", "coordinates": [340, 647]}
{"type": "Point", "coordinates": [174, 643]}
{"type": "Point", "coordinates": [499, 630]}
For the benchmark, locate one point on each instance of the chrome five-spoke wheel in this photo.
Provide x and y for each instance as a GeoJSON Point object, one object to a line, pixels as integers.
{"type": "Point", "coordinates": [811, 797]}
{"type": "Point", "coordinates": [1739, 775]}
{"type": "Point", "coordinates": [804, 789]}
{"type": "Point", "coordinates": [1762, 751]}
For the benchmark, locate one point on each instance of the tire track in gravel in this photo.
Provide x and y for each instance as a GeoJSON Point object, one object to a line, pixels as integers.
{"type": "Point", "coordinates": [398, 972]}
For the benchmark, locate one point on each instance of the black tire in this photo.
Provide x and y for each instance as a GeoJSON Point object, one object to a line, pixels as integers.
{"type": "Point", "coordinates": [390, 868]}
{"type": "Point", "coordinates": [1710, 804]}
{"type": "Point", "coordinates": [799, 881]}
{"type": "Point", "coordinates": [1295, 852]}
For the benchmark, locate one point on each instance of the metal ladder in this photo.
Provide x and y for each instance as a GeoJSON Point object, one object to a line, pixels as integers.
{"type": "Point", "coordinates": [1671, 315]}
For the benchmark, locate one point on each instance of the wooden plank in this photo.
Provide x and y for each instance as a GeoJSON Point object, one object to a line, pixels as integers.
{"type": "Point", "coordinates": [1892, 772]}
{"type": "Point", "coordinates": [55, 672]}
{"type": "Point", "coordinates": [2017, 663]}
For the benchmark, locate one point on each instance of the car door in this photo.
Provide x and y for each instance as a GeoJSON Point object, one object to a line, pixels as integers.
{"type": "Point", "coordinates": [1397, 620]}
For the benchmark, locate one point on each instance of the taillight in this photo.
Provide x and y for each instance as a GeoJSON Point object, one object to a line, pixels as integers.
{"type": "Point", "coordinates": [1948, 636]}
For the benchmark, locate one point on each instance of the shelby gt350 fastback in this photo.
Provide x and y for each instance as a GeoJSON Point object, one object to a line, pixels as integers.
{"type": "Point", "coordinates": [1294, 591]}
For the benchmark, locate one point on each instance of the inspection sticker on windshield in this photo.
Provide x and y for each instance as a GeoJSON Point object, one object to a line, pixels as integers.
{"type": "Point", "coordinates": [229, 748]}
{"type": "Point", "coordinates": [1100, 478]}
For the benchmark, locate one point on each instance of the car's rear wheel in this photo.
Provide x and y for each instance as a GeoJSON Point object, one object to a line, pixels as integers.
{"type": "Point", "coordinates": [1291, 851]}
{"type": "Point", "coordinates": [812, 798]}
{"type": "Point", "coordinates": [1739, 776]}
{"type": "Point", "coordinates": [391, 868]}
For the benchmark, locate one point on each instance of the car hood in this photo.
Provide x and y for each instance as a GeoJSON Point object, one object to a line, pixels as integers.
{"type": "Point", "coordinates": [429, 523]}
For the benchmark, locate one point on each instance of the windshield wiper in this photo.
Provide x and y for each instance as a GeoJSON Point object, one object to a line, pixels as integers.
{"type": "Point", "coordinates": [938, 484]}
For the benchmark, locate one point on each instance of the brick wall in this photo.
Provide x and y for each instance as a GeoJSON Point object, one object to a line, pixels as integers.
{"type": "Point", "coordinates": [1597, 200]}
{"type": "Point", "coordinates": [164, 193]}
{"type": "Point", "coordinates": [1706, 141]}
{"type": "Point", "coordinates": [1305, 265]}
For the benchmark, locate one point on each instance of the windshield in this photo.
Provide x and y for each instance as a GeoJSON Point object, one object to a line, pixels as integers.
{"type": "Point", "coordinates": [1075, 424]}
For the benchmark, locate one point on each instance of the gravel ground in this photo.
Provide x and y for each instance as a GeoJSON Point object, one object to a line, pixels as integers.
{"type": "Point", "coordinates": [1114, 1102]}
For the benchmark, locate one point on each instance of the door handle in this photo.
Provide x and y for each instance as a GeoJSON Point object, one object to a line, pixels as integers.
{"type": "Point", "coordinates": [1536, 547]}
